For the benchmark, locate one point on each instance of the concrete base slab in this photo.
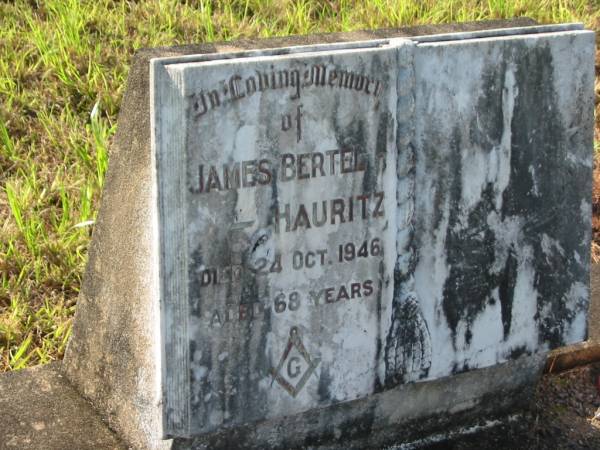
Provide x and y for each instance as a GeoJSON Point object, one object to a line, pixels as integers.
{"type": "Point", "coordinates": [40, 410]}
{"type": "Point", "coordinates": [411, 413]}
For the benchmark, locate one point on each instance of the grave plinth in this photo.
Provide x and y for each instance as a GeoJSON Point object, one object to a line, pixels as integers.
{"type": "Point", "coordinates": [338, 241]}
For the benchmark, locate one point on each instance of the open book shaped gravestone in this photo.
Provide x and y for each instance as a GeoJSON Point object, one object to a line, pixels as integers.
{"type": "Point", "coordinates": [277, 198]}
{"type": "Point", "coordinates": [330, 222]}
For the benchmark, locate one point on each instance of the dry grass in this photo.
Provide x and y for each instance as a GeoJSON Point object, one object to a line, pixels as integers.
{"type": "Point", "coordinates": [63, 67]}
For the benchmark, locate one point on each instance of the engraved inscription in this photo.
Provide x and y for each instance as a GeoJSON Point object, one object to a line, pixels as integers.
{"type": "Point", "coordinates": [262, 257]}
{"type": "Point", "coordinates": [237, 87]}
{"type": "Point", "coordinates": [288, 168]}
{"type": "Point", "coordinates": [287, 187]}
{"type": "Point", "coordinates": [287, 122]}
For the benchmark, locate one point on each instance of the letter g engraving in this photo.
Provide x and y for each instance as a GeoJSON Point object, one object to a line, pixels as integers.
{"type": "Point", "coordinates": [293, 371]}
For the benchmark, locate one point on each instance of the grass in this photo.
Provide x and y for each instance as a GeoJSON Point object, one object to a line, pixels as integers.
{"type": "Point", "coordinates": [63, 68]}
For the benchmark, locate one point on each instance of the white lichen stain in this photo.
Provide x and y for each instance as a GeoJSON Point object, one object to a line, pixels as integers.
{"type": "Point", "coordinates": [508, 233]}
{"type": "Point", "coordinates": [197, 356]}
{"type": "Point", "coordinates": [200, 372]}
{"type": "Point", "coordinates": [534, 190]}
{"type": "Point", "coordinates": [576, 301]}
{"type": "Point", "coordinates": [550, 246]}
{"type": "Point", "coordinates": [524, 305]}
{"type": "Point", "coordinates": [586, 211]}
{"type": "Point", "coordinates": [501, 178]}
{"type": "Point", "coordinates": [216, 417]}
{"type": "Point", "coordinates": [481, 168]}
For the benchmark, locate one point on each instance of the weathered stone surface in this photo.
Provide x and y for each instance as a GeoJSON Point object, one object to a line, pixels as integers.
{"type": "Point", "coordinates": [115, 358]}
{"type": "Point", "coordinates": [39, 409]}
{"type": "Point", "coordinates": [280, 288]}
{"type": "Point", "coordinates": [503, 207]}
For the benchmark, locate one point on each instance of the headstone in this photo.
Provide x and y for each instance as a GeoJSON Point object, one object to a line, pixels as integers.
{"type": "Point", "coordinates": [277, 236]}
{"type": "Point", "coordinates": [320, 227]}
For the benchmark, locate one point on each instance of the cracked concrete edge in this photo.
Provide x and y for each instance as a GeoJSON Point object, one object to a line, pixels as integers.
{"type": "Point", "coordinates": [39, 409]}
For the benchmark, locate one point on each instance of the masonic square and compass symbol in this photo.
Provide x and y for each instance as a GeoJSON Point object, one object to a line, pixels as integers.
{"type": "Point", "coordinates": [295, 365]}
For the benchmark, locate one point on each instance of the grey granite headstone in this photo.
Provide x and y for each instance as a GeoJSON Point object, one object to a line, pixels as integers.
{"type": "Point", "coordinates": [327, 224]}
